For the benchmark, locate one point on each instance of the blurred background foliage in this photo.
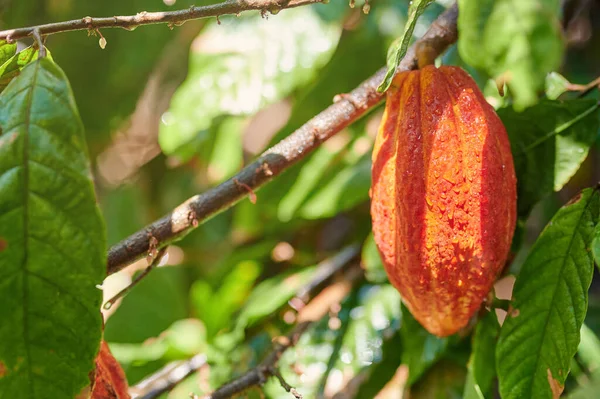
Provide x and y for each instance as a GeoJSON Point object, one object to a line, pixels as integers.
{"type": "Point", "coordinates": [172, 112]}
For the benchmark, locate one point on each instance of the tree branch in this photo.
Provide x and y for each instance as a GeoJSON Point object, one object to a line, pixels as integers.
{"type": "Point", "coordinates": [277, 159]}
{"type": "Point", "coordinates": [267, 368]}
{"type": "Point", "coordinates": [172, 18]}
{"type": "Point", "coordinates": [166, 378]}
{"type": "Point", "coordinates": [321, 304]}
{"type": "Point", "coordinates": [171, 375]}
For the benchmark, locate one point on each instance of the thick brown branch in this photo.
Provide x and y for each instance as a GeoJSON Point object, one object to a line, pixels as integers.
{"type": "Point", "coordinates": [277, 159]}
{"type": "Point", "coordinates": [172, 18]}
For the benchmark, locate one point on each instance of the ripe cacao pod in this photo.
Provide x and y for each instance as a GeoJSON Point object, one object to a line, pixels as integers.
{"type": "Point", "coordinates": [443, 195]}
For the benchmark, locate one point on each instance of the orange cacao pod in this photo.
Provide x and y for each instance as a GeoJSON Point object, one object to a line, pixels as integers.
{"type": "Point", "coordinates": [443, 195]}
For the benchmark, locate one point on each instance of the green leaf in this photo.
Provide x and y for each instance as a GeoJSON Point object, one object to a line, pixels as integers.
{"type": "Point", "coordinates": [52, 252]}
{"type": "Point", "coordinates": [371, 260]}
{"type": "Point", "coordinates": [541, 333]}
{"type": "Point", "coordinates": [445, 380]}
{"type": "Point", "coordinates": [11, 67]}
{"type": "Point", "coordinates": [181, 340]}
{"type": "Point", "coordinates": [240, 66]}
{"type": "Point", "coordinates": [231, 294]}
{"type": "Point", "coordinates": [346, 189]}
{"type": "Point", "coordinates": [420, 348]}
{"type": "Point", "coordinates": [227, 155]}
{"type": "Point", "coordinates": [556, 84]}
{"type": "Point", "coordinates": [588, 391]}
{"type": "Point", "coordinates": [549, 142]}
{"type": "Point", "coordinates": [150, 308]}
{"type": "Point", "coordinates": [307, 180]}
{"type": "Point", "coordinates": [7, 50]}
{"type": "Point", "coordinates": [339, 345]}
{"type": "Point", "coordinates": [270, 295]}
{"type": "Point", "coordinates": [399, 47]}
{"type": "Point", "coordinates": [589, 350]}
{"type": "Point", "coordinates": [518, 41]}
{"type": "Point", "coordinates": [381, 373]}
{"type": "Point", "coordinates": [589, 354]}
{"type": "Point", "coordinates": [596, 245]}
{"type": "Point", "coordinates": [482, 365]}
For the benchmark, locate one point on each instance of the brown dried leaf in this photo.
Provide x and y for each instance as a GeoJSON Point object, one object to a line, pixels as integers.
{"type": "Point", "coordinates": [109, 378]}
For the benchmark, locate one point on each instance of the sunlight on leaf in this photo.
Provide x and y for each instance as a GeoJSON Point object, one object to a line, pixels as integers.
{"type": "Point", "coordinates": [371, 261]}
{"type": "Point", "coordinates": [518, 41]}
{"type": "Point", "coordinates": [341, 345]}
{"type": "Point", "coordinates": [540, 335]}
{"type": "Point", "coordinates": [240, 66]}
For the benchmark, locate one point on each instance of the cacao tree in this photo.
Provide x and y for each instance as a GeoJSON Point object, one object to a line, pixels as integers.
{"type": "Point", "coordinates": [303, 198]}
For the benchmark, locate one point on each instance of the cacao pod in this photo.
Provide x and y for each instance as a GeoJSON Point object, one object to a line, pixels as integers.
{"type": "Point", "coordinates": [443, 195]}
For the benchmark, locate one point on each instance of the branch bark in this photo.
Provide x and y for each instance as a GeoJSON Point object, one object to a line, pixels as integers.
{"type": "Point", "coordinates": [268, 367]}
{"type": "Point", "coordinates": [277, 159]}
{"type": "Point", "coordinates": [171, 375]}
{"type": "Point", "coordinates": [172, 18]}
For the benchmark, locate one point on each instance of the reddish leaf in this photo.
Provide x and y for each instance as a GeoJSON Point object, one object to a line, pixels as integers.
{"type": "Point", "coordinates": [109, 378]}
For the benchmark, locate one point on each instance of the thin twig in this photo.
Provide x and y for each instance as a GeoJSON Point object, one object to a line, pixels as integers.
{"type": "Point", "coordinates": [288, 388]}
{"type": "Point", "coordinates": [135, 282]}
{"type": "Point", "coordinates": [277, 159]}
{"type": "Point", "coordinates": [259, 375]}
{"type": "Point", "coordinates": [172, 18]}
{"type": "Point", "coordinates": [37, 37]}
{"type": "Point", "coordinates": [322, 303]}
{"type": "Point", "coordinates": [325, 271]}
{"type": "Point", "coordinates": [168, 377]}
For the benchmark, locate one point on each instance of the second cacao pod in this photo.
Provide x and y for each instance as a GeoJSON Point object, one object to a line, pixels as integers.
{"type": "Point", "coordinates": [443, 195]}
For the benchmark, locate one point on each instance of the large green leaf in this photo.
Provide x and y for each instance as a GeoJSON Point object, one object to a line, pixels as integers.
{"type": "Point", "coordinates": [549, 142]}
{"type": "Point", "coordinates": [52, 252]}
{"type": "Point", "coordinates": [241, 65]}
{"type": "Point", "coordinates": [398, 50]}
{"type": "Point", "coordinates": [517, 41]}
{"type": "Point", "coordinates": [341, 346]}
{"type": "Point", "coordinates": [541, 333]}
{"type": "Point", "coordinates": [482, 365]}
